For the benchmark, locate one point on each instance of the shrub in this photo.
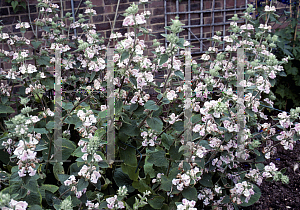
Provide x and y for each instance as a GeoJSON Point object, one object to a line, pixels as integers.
{"type": "Point", "coordinates": [155, 167]}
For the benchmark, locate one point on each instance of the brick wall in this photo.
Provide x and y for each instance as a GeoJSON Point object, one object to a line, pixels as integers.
{"type": "Point", "coordinates": [106, 11]}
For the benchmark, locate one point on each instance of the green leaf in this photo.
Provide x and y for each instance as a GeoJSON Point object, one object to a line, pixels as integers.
{"type": "Point", "coordinates": [253, 198]}
{"type": "Point", "coordinates": [151, 105]}
{"type": "Point", "coordinates": [156, 202]}
{"type": "Point", "coordinates": [67, 106]}
{"type": "Point", "coordinates": [249, 112]}
{"type": "Point", "coordinates": [174, 153]}
{"type": "Point", "coordinates": [164, 58]}
{"type": "Point", "coordinates": [78, 152]}
{"type": "Point", "coordinates": [148, 168]}
{"type": "Point", "coordinates": [14, 4]}
{"type": "Point", "coordinates": [72, 119]}
{"type": "Point", "coordinates": [130, 171]}
{"type": "Point", "coordinates": [292, 71]}
{"type": "Point", "coordinates": [41, 130]}
{"type": "Point", "coordinates": [133, 80]}
{"type": "Point", "coordinates": [282, 74]}
{"type": "Point", "coordinates": [50, 187]}
{"type": "Point", "coordinates": [118, 106]}
{"type": "Point", "coordinates": [226, 199]}
{"type": "Point", "coordinates": [124, 56]}
{"type": "Point", "coordinates": [190, 193]}
{"type": "Point", "coordinates": [228, 136]}
{"type": "Point", "coordinates": [74, 169]}
{"type": "Point", "coordinates": [130, 130]}
{"type": "Point", "coordinates": [167, 140]}
{"type": "Point", "coordinates": [6, 109]}
{"type": "Point", "coordinates": [122, 179]}
{"type": "Point", "coordinates": [133, 107]}
{"type": "Point", "coordinates": [92, 75]}
{"type": "Point", "coordinates": [35, 207]}
{"type": "Point", "coordinates": [46, 28]}
{"type": "Point", "coordinates": [141, 186]}
{"type": "Point", "coordinates": [43, 61]}
{"type": "Point", "coordinates": [178, 126]}
{"type": "Point", "coordinates": [58, 169]}
{"type": "Point", "coordinates": [155, 123]}
{"type": "Point", "coordinates": [166, 183]}
{"type": "Point", "coordinates": [128, 156]}
{"type": "Point", "coordinates": [102, 114]}
{"type": "Point", "coordinates": [179, 74]}
{"type": "Point", "coordinates": [98, 184]}
{"type": "Point", "coordinates": [165, 101]}
{"type": "Point", "coordinates": [206, 180]}
{"type": "Point", "coordinates": [50, 125]}
{"type": "Point", "coordinates": [196, 118]}
{"type": "Point", "coordinates": [158, 158]}
{"type": "Point", "coordinates": [4, 99]}
{"type": "Point", "coordinates": [67, 148]}
{"type": "Point", "coordinates": [34, 198]}
{"type": "Point", "coordinates": [82, 183]}
{"type": "Point", "coordinates": [32, 185]}
{"type": "Point", "coordinates": [63, 177]}
{"type": "Point", "coordinates": [260, 158]}
{"type": "Point", "coordinates": [36, 44]}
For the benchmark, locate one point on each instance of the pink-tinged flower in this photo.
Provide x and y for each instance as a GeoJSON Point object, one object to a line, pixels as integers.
{"type": "Point", "coordinates": [70, 180]}
{"type": "Point", "coordinates": [111, 201]}
{"type": "Point", "coordinates": [18, 205]}
{"type": "Point", "coordinates": [173, 118]}
{"type": "Point", "coordinates": [84, 157]}
{"type": "Point", "coordinates": [149, 76]}
{"type": "Point", "coordinates": [140, 19]}
{"type": "Point", "coordinates": [128, 21]}
{"type": "Point", "coordinates": [19, 150]}
{"type": "Point", "coordinates": [83, 170]}
{"type": "Point", "coordinates": [95, 176]}
{"type": "Point", "coordinates": [22, 25]}
{"type": "Point", "coordinates": [31, 171]}
{"type": "Point", "coordinates": [270, 9]}
{"type": "Point", "coordinates": [22, 172]}
{"type": "Point", "coordinates": [97, 157]}
{"type": "Point", "coordinates": [171, 95]}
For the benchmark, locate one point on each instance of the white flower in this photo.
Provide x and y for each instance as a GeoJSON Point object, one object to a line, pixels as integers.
{"type": "Point", "coordinates": [18, 205]}
{"type": "Point", "coordinates": [22, 25]}
{"type": "Point", "coordinates": [49, 112]}
{"type": "Point", "coordinates": [97, 157]}
{"type": "Point", "coordinates": [95, 176]}
{"type": "Point", "coordinates": [171, 95]}
{"type": "Point", "coordinates": [205, 57]}
{"type": "Point", "coordinates": [90, 11]}
{"type": "Point", "coordinates": [270, 9]}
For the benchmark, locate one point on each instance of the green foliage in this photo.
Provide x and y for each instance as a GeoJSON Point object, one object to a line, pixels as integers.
{"type": "Point", "coordinates": [287, 88]}
{"type": "Point", "coordinates": [17, 5]}
{"type": "Point", "coordinates": [146, 162]}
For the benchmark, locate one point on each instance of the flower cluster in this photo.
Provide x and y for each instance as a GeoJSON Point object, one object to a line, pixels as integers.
{"type": "Point", "coordinates": [186, 205]}
{"type": "Point", "coordinates": [241, 189]}
{"type": "Point", "coordinates": [71, 181]}
{"type": "Point", "coordinates": [188, 178]}
{"type": "Point", "coordinates": [7, 203]}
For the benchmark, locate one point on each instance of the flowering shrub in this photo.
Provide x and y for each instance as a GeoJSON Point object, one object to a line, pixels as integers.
{"type": "Point", "coordinates": [150, 169]}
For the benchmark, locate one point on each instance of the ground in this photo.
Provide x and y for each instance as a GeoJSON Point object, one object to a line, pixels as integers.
{"type": "Point", "coordinates": [276, 195]}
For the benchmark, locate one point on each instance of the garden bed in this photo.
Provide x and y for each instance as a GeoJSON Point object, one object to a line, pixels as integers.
{"type": "Point", "coordinates": [276, 195]}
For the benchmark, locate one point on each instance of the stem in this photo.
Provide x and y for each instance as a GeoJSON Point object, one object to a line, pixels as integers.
{"type": "Point", "coordinates": [75, 108]}
{"type": "Point", "coordinates": [113, 26]}
{"type": "Point", "coordinates": [169, 125]}
{"type": "Point", "coordinates": [34, 32]}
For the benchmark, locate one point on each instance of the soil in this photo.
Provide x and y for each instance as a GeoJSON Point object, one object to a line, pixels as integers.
{"type": "Point", "coordinates": [276, 195]}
